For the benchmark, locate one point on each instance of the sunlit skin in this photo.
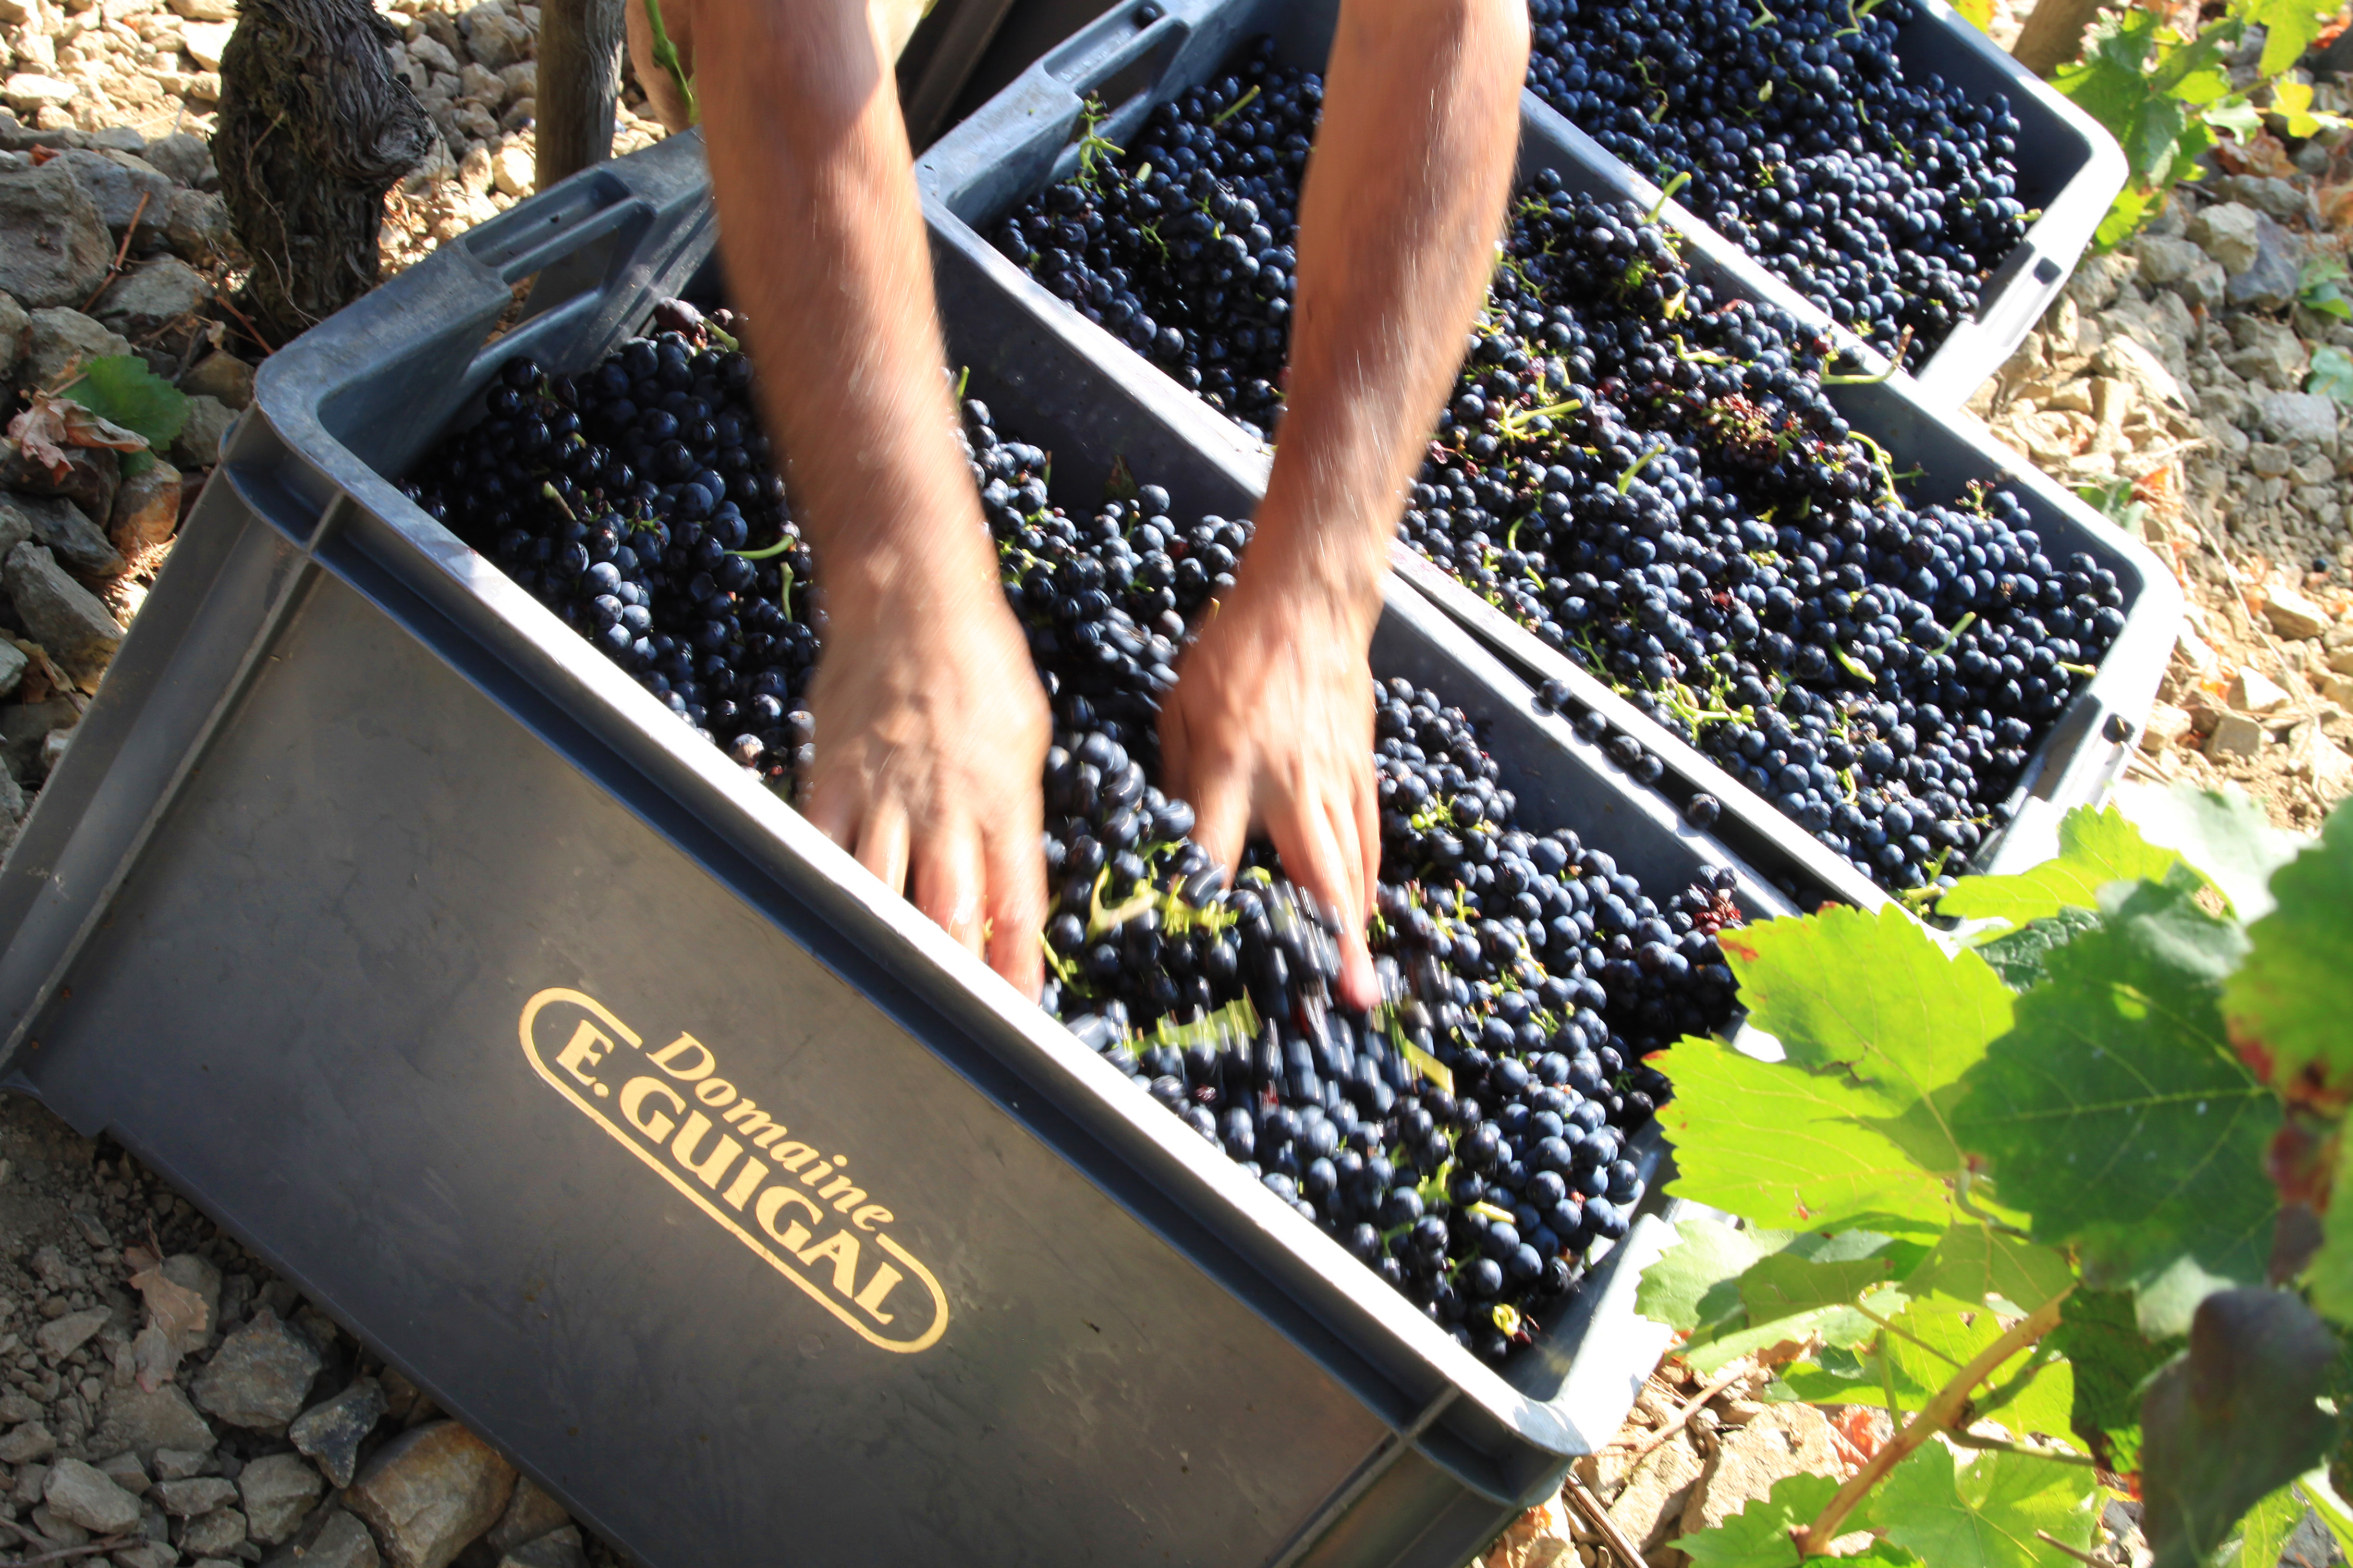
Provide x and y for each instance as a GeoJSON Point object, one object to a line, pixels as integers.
{"type": "Point", "coordinates": [931, 727]}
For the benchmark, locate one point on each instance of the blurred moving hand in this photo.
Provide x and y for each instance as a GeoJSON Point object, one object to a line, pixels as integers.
{"type": "Point", "coordinates": [1271, 727]}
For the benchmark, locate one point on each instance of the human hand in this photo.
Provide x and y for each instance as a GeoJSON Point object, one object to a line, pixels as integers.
{"type": "Point", "coordinates": [931, 741]}
{"type": "Point", "coordinates": [1271, 727]}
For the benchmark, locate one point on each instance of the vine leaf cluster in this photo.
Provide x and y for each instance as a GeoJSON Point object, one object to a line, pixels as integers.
{"type": "Point", "coordinates": [2047, 1180]}
{"type": "Point", "coordinates": [2167, 97]}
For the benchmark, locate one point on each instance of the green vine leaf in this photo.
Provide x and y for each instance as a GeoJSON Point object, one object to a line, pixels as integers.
{"type": "Point", "coordinates": [1760, 1534]}
{"type": "Point", "coordinates": [2332, 367]}
{"type": "Point", "coordinates": [2115, 1111]}
{"type": "Point", "coordinates": [2329, 1276]}
{"type": "Point", "coordinates": [2021, 957]}
{"type": "Point", "coordinates": [1990, 1513]}
{"type": "Point", "coordinates": [2237, 116]}
{"type": "Point", "coordinates": [1977, 1264]}
{"type": "Point", "coordinates": [1780, 1289]}
{"type": "Point", "coordinates": [2095, 848]}
{"type": "Point", "coordinates": [2112, 1361]}
{"type": "Point", "coordinates": [2289, 28]}
{"type": "Point", "coordinates": [1873, 993]}
{"type": "Point", "coordinates": [1879, 1023]}
{"type": "Point", "coordinates": [2290, 1003]}
{"type": "Point", "coordinates": [1940, 1335]}
{"type": "Point", "coordinates": [2224, 835]}
{"type": "Point", "coordinates": [1783, 1147]}
{"type": "Point", "coordinates": [123, 391]}
{"type": "Point", "coordinates": [2264, 1532]}
{"type": "Point", "coordinates": [1695, 1284]}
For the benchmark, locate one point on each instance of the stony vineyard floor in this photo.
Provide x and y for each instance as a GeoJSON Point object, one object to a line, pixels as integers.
{"type": "Point", "coordinates": [166, 1400]}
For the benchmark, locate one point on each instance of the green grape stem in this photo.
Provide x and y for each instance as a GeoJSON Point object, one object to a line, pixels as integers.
{"type": "Point", "coordinates": [665, 55]}
{"type": "Point", "coordinates": [1666, 194]}
{"type": "Point", "coordinates": [1894, 363]}
{"type": "Point", "coordinates": [1236, 107]}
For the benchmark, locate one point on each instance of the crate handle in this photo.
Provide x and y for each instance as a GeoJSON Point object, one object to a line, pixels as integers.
{"type": "Point", "coordinates": [2038, 278]}
{"type": "Point", "coordinates": [516, 253]}
{"type": "Point", "coordinates": [257, 478]}
{"type": "Point", "coordinates": [1116, 42]}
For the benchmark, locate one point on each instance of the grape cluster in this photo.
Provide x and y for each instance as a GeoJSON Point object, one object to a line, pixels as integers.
{"type": "Point", "coordinates": [1183, 246]}
{"type": "Point", "coordinates": [625, 501]}
{"type": "Point", "coordinates": [1655, 484]}
{"type": "Point", "coordinates": [1467, 1140]}
{"type": "Point", "coordinates": [1884, 197]}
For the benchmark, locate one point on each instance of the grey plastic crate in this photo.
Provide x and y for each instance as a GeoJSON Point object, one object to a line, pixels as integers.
{"type": "Point", "coordinates": [1133, 56]}
{"type": "Point", "coordinates": [2068, 166]}
{"type": "Point", "coordinates": [366, 884]}
{"type": "Point", "coordinates": [1021, 141]}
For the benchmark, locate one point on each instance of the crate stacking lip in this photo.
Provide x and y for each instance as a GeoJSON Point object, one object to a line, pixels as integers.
{"type": "Point", "coordinates": [1023, 140]}
{"type": "Point", "coordinates": [423, 948]}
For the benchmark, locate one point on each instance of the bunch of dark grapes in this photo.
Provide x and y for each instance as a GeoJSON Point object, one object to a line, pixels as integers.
{"type": "Point", "coordinates": [1656, 485]}
{"type": "Point", "coordinates": [1884, 197]}
{"type": "Point", "coordinates": [1469, 1140]}
{"type": "Point", "coordinates": [1182, 247]}
{"type": "Point", "coordinates": [641, 503]}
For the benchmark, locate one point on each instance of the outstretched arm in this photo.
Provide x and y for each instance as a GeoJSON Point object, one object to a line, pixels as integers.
{"type": "Point", "coordinates": [931, 727]}
{"type": "Point", "coordinates": [1271, 722]}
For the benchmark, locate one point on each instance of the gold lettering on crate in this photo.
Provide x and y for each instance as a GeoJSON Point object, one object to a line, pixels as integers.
{"type": "Point", "coordinates": [588, 1055]}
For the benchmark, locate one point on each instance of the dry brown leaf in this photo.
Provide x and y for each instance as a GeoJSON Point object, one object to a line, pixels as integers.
{"type": "Point", "coordinates": [1852, 1432]}
{"type": "Point", "coordinates": [2264, 156]}
{"type": "Point", "coordinates": [45, 430]}
{"type": "Point", "coordinates": [179, 1311]}
{"type": "Point", "coordinates": [2335, 201]}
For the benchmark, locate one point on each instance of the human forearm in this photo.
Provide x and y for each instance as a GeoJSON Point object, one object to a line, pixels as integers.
{"type": "Point", "coordinates": [931, 726]}
{"type": "Point", "coordinates": [1403, 200]}
{"type": "Point", "coordinates": [826, 252]}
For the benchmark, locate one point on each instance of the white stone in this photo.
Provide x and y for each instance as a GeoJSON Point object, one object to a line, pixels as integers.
{"type": "Point", "coordinates": [2292, 615]}
{"type": "Point", "coordinates": [2167, 727]}
{"type": "Point", "coordinates": [2252, 691]}
{"type": "Point", "coordinates": [31, 91]}
{"type": "Point", "coordinates": [514, 169]}
{"type": "Point", "coordinates": [205, 41]}
{"type": "Point", "coordinates": [429, 52]}
{"type": "Point", "coordinates": [206, 10]}
{"type": "Point", "coordinates": [2152, 384]}
{"type": "Point", "coordinates": [2227, 232]}
{"type": "Point", "coordinates": [2300, 417]}
{"type": "Point", "coordinates": [494, 39]}
{"type": "Point", "coordinates": [2235, 735]}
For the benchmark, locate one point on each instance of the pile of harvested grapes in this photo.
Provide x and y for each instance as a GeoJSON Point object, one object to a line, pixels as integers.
{"type": "Point", "coordinates": [1469, 1139]}
{"type": "Point", "coordinates": [1650, 479]}
{"type": "Point", "coordinates": [1654, 483]}
{"type": "Point", "coordinates": [1887, 199]}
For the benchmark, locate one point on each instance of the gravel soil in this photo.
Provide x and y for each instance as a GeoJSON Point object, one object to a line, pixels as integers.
{"type": "Point", "coordinates": [2175, 379]}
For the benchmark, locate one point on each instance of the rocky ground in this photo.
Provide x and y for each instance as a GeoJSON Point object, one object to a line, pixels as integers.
{"type": "Point", "coordinates": [163, 1399]}
{"type": "Point", "coordinates": [2194, 384]}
